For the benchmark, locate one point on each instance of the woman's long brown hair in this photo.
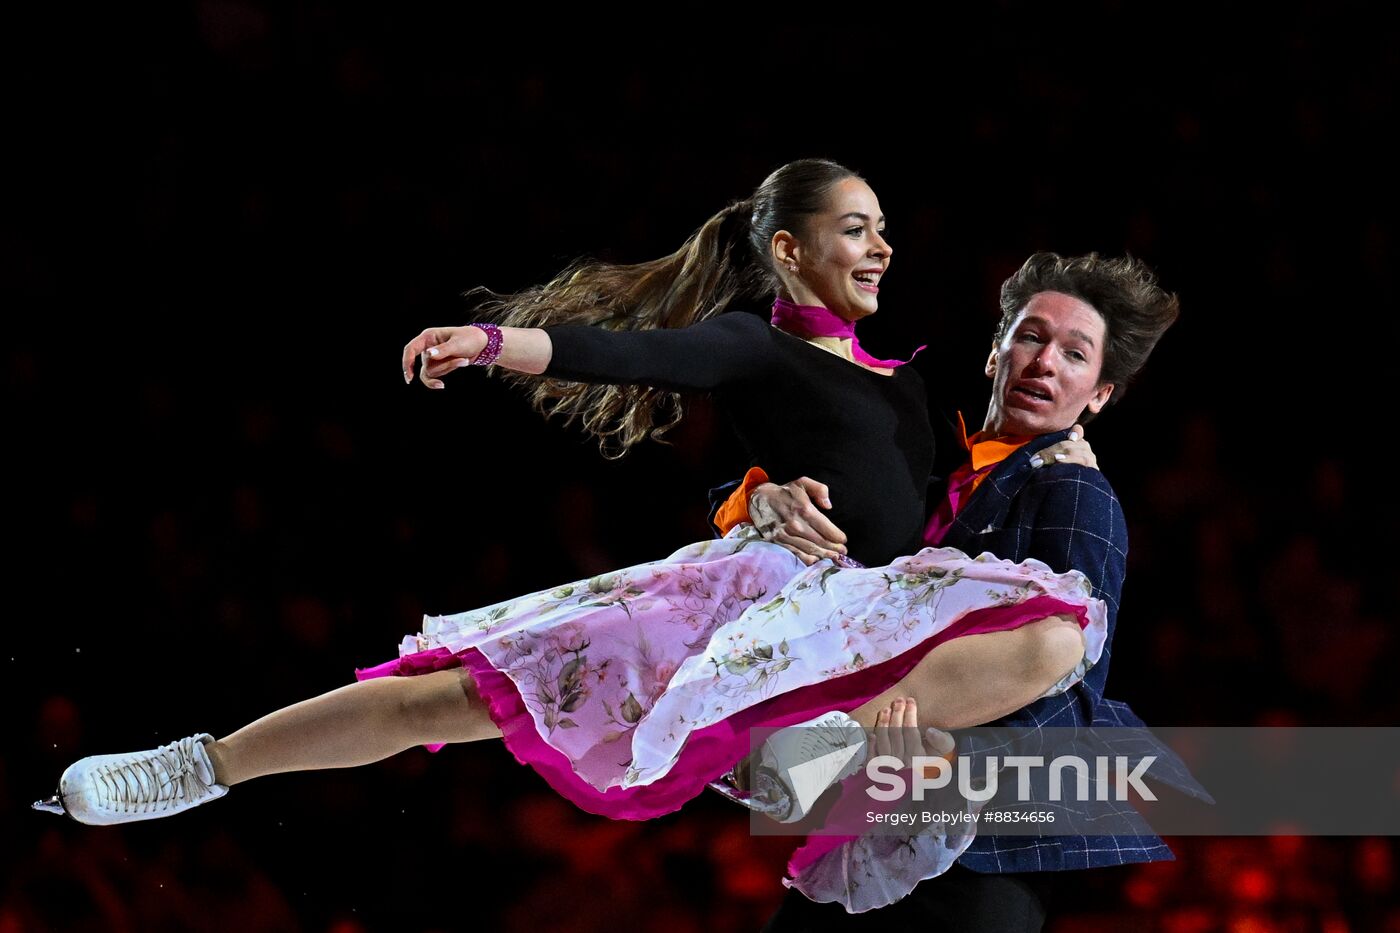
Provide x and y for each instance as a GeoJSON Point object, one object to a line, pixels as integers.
{"type": "Point", "coordinates": [726, 261]}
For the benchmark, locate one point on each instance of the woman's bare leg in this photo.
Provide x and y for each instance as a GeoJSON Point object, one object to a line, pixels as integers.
{"type": "Point", "coordinates": [972, 680]}
{"type": "Point", "coordinates": [355, 725]}
{"type": "Point", "coordinates": [979, 678]}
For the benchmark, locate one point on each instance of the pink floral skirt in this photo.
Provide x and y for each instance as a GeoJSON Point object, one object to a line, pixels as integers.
{"type": "Point", "coordinates": [632, 691]}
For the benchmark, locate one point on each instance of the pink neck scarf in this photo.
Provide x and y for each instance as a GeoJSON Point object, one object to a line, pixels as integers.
{"type": "Point", "coordinates": [815, 321]}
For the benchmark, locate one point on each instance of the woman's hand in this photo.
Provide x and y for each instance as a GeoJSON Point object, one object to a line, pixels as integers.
{"type": "Point", "coordinates": [788, 515]}
{"type": "Point", "coordinates": [1073, 450]}
{"type": "Point", "coordinates": [442, 349]}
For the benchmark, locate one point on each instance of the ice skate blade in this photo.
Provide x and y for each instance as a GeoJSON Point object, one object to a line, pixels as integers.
{"type": "Point", "coordinates": [53, 805]}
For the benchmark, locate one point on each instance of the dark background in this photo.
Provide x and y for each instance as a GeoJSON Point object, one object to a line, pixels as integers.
{"type": "Point", "coordinates": [223, 221]}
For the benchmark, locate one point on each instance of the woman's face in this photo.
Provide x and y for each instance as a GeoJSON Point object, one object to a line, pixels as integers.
{"type": "Point", "coordinates": [840, 256]}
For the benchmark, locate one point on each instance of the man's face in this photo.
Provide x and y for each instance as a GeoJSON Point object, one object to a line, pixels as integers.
{"type": "Point", "coordinates": [1045, 370]}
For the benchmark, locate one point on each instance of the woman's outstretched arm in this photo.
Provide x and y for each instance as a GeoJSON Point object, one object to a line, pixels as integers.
{"type": "Point", "coordinates": [726, 349]}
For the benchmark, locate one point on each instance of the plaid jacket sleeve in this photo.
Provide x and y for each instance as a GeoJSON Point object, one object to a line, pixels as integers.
{"type": "Point", "coordinates": [1072, 521]}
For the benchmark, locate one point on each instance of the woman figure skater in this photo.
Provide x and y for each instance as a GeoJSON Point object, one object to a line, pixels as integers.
{"type": "Point", "coordinates": [632, 691]}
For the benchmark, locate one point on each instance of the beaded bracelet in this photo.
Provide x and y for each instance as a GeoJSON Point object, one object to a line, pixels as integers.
{"type": "Point", "coordinates": [493, 345]}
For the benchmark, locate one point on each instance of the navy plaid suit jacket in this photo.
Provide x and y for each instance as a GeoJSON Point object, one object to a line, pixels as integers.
{"type": "Point", "coordinates": [1068, 517]}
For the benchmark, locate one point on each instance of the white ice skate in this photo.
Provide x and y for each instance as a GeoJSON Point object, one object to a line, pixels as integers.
{"type": "Point", "coordinates": [105, 789]}
{"type": "Point", "coordinates": [796, 765]}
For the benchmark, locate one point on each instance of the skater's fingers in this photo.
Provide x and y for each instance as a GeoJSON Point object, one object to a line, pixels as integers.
{"type": "Point", "coordinates": [431, 381]}
{"type": "Point", "coordinates": [418, 345]}
{"type": "Point", "coordinates": [888, 740]}
{"type": "Point", "coordinates": [813, 543]}
{"type": "Point", "coordinates": [1075, 449]}
{"type": "Point", "coordinates": [800, 528]}
{"type": "Point", "coordinates": [816, 491]}
{"type": "Point", "coordinates": [438, 370]}
{"type": "Point", "coordinates": [913, 745]}
{"type": "Point", "coordinates": [800, 524]}
{"type": "Point", "coordinates": [1078, 452]}
{"type": "Point", "coordinates": [882, 732]}
{"type": "Point", "coordinates": [795, 497]}
{"type": "Point", "coordinates": [909, 714]}
{"type": "Point", "coordinates": [410, 354]}
{"type": "Point", "coordinates": [830, 536]}
{"type": "Point", "coordinates": [427, 376]}
{"type": "Point", "coordinates": [793, 548]}
{"type": "Point", "coordinates": [896, 730]}
{"type": "Point", "coordinates": [891, 737]}
{"type": "Point", "coordinates": [456, 348]}
{"type": "Point", "coordinates": [796, 504]}
{"type": "Point", "coordinates": [462, 343]}
{"type": "Point", "coordinates": [804, 548]}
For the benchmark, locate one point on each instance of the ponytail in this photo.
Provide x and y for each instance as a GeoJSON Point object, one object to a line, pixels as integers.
{"type": "Point", "coordinates": [725, 261]}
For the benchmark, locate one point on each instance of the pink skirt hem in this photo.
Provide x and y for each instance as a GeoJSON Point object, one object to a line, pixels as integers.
{"type": "Point", "coordinates": [713, 750]}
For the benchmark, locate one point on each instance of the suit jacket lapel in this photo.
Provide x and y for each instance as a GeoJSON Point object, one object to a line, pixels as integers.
{"type": "Point", "coordinates": [989, 505]}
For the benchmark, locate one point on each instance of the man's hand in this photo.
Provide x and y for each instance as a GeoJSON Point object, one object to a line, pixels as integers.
{"type": "Point", "coordinates": [897, 733]}
{"type": "Point", "coordinates": [788, 515]}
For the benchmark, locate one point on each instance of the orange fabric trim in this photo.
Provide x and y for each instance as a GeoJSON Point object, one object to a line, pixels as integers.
{"type": "Point", "coordinates": [735, 510]}
{"type": "Point", "coordinates": [988, 451]}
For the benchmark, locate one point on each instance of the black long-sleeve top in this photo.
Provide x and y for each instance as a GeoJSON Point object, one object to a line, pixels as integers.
{"type": "Point", "coordinates": [798, 410]}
